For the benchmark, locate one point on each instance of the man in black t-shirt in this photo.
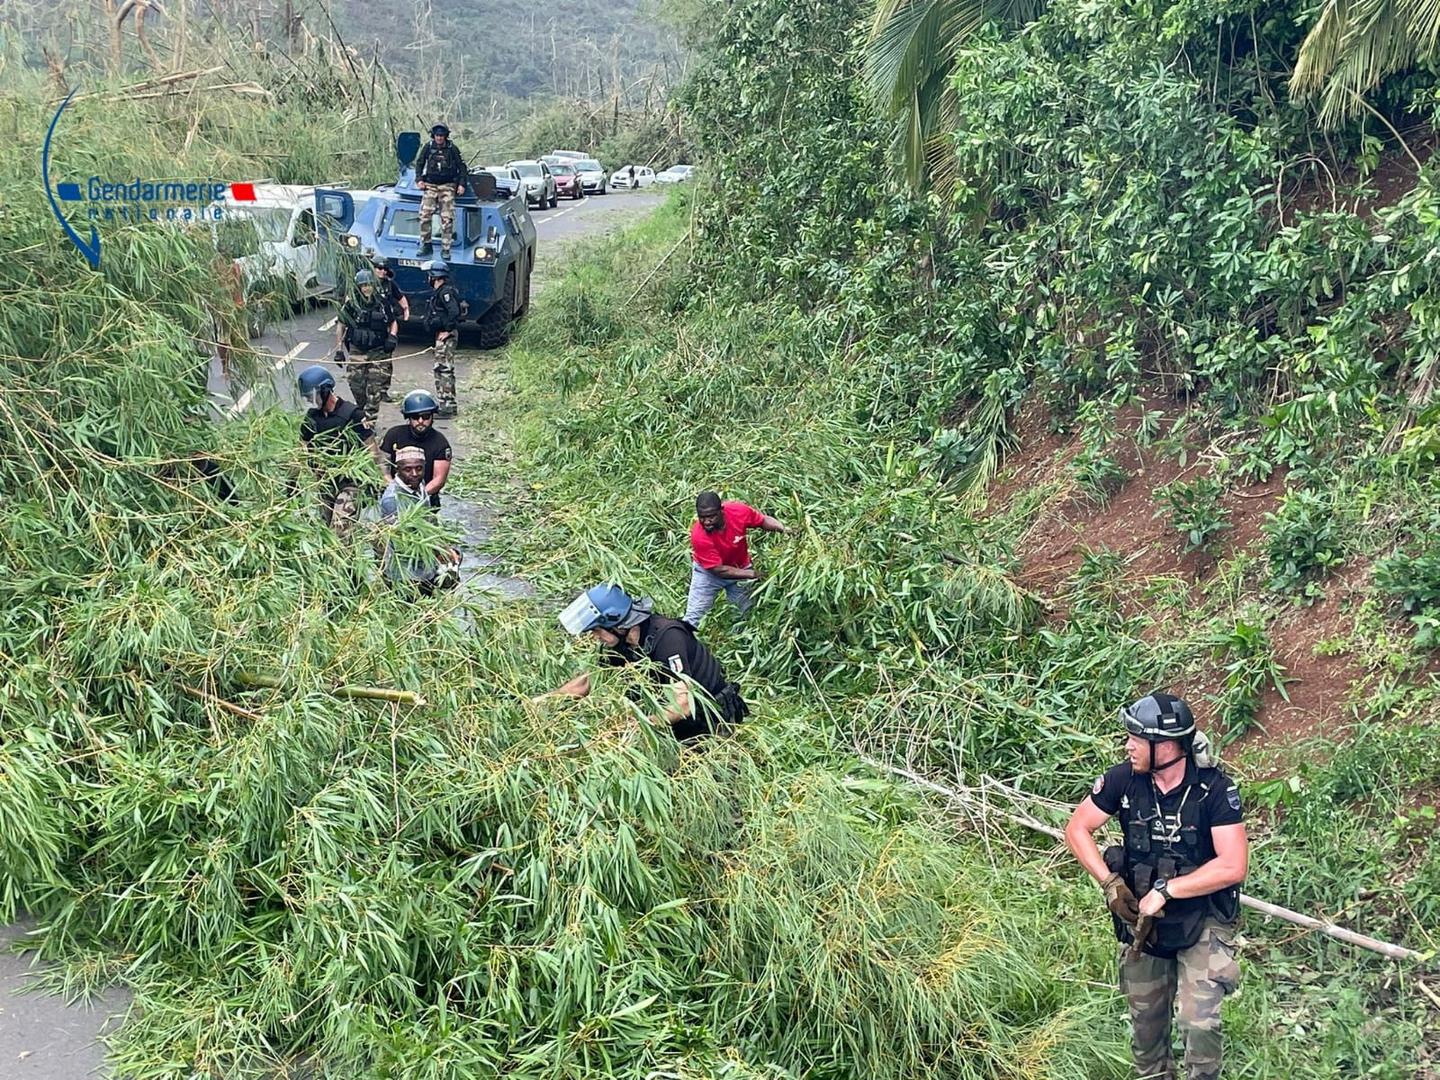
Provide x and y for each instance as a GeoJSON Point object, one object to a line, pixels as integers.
{"type": "Point", "coordinates": [332, 430]}
{"type": "Point", "coordinates": [1172, 887]}
{"type": "Point", "coordinates": [419, 409]}
{"type": "Point", "coordinates": [705, 703]}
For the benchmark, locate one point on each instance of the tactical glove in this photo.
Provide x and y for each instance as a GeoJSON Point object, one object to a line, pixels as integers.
{"type": "Point", "coordinates": [1144, 931]}
{"type": "Point", "coordinates": [390, 342]}
{"type": "Point", "coordinates": [1120, 900]}
{"type": "Point", "coordinates": [340, 357]}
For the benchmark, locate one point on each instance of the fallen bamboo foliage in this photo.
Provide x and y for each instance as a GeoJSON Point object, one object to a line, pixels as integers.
{"type": "Point", "coordinates": [358, 693]}
{"type": "Point", "coordinates": [970, 797]}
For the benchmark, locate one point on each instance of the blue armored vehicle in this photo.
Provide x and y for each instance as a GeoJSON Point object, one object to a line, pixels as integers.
{"type": "Point", "coordinates": [490, 261]}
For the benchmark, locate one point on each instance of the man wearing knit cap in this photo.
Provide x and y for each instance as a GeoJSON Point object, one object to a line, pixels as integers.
{"type": "Point", "coordinates": [720, 556]}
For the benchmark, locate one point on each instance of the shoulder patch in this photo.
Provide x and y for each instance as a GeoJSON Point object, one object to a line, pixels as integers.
{"type": "Point", "coordinates": [1233, 797]}
{"type": "Point", "coordinates": [677, 665]}
{"type": "Point", "coordinates": [1099, 783]}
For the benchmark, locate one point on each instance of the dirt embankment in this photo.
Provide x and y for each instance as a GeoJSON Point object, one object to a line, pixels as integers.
{"type": "Point", "coordinates": [1322, 673]}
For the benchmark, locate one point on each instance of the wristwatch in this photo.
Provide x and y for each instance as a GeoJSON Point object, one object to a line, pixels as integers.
{"type": "Point", "coordinates": [1162, 886]}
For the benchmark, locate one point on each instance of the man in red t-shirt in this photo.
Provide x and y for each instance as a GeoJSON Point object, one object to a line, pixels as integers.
{"type": "Point", "coordinates": [720, 555]}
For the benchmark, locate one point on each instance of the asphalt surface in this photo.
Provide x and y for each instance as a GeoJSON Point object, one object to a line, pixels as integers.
{"type": "Point", "coordinates": [42, 1037]}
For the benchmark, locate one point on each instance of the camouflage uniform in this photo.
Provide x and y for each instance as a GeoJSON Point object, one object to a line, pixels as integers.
{"type": "Point", "coordinates": [443, 316]}
{"type": "Point", "coordinates": [340, 509]}
{"type": "Point", "coordinates": [441, 197]}
{"type": "Point", "coordinates": [366, 325]}
{"type": "Point", "coordinates": [441, 169]}
{"type": "Point", "coordinates": [445, 371]}
{"type": "Point", "coordinates": [370, 381]}
{"type": "Point", "coordinates": [1201, 977]}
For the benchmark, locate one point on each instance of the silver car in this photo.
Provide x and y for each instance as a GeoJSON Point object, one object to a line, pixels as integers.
{"type": "Point", "coordinates": [592, 176]}
{"type": "Point", "coordinates": [539, 184]}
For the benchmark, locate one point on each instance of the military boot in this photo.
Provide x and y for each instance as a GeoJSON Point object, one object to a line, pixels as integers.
{"type": "Point", "coordinates": [426, 248]}
{"type": "Point", "coordinates": [447, 411]}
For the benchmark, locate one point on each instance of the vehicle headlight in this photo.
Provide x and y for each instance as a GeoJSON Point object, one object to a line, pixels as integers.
{"type": "Point", "coordinates": [352, 241]}
{"type": "Point", "coordinates": [485, 256]}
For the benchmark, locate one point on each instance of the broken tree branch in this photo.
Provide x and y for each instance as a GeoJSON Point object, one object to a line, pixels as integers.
{"type": "Point", "coordinates": [1274, 911]}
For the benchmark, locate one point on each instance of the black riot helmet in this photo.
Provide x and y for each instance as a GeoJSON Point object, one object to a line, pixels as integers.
{"type": "Point", "coordinates": [1159, 716]}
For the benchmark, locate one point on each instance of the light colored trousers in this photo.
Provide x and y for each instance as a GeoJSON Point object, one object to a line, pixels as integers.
{"type": "Point", "coordinates": [705, 587]}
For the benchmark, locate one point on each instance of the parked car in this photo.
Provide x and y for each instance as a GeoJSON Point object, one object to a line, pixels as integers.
{"type": "Point", "coordinates": [506, 178]}
{"type": "Point", "coordinates": [273, 246]}
{"type": "Point", "coordinates": [567, 180]}
{"type": "Point", "coordinates": [592, 175]}
{"type": "Point", "coordinates": [621, 179]}
{"type": "Point", "coordinates": [675, 174]}
{"type": "Point", "coordinates": [539, 184]}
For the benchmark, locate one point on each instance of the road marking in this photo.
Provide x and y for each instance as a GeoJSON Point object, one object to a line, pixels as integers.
{"type": "Point", "coordinates": [244, 401]}
{"type": "Point", "coordinates": [562, 213]}
{"type": "Point", "coordinates": [327, 326]}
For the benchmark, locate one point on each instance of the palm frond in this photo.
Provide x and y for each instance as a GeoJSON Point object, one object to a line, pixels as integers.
{"type": "Point", "coordinates": [911, 53]}
{"type": "Point", "coordinates": [1354, 46]}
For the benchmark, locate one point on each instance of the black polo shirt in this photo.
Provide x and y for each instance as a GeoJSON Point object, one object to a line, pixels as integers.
{"type": "Point", "coordinates": [336, 435]}
{"type": "Point", "coordinates": [435, 445]}
{"type": "Point", "coordinates": [674, 655]}
{"type": "Point", "coordinates": [340, 432]}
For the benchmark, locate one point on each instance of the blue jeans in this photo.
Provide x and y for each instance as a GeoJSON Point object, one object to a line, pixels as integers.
{"type": "Point", "coordinates": [705, 587]}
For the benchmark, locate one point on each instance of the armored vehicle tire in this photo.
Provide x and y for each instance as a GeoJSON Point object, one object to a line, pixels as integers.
{"type": "Point", "coordinates": [494, 325]}
{"type": "Point", "coordinates": [525, 304]}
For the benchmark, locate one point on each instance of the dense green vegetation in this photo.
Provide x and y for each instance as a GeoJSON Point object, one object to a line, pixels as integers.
{"type": "Point", "coordinates": [1146, 243]}
{"type": "Point", "coordinates": [1150, 243]}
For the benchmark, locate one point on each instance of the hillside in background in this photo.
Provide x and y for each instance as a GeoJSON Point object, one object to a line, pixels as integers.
{"type": "Point", "coordinates": [477, 53]}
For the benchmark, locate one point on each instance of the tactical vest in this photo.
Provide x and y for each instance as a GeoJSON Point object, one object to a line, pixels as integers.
{"type": "Point", "coordinates": [444, 311]}
{"type": "Point", "coordinates": [371, 325]}
{"type": "Point", "coordinates": [1186, 850]}
{"type": "Point", "coordinates": [442, 165]}
{"type": "Point", "coordinates": [706, 675]}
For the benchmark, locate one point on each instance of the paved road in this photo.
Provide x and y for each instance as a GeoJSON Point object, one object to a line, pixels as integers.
{"type": "Point", "coordinates": [43, 1038]}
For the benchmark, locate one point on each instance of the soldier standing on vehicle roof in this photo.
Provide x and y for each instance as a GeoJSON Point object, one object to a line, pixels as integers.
{"type": "Point", "coordinates": [704, 702]}
{"type": "Point", "coordinates": [442, 318]}
{"type": "Point", "coordinates": [440, 175]}
{"type": "Point", "coordinates": [719, 555]}
{"type": "Point", "coordinates": [419, 431]}
{"type": "Point", "coordinates": [367, 323]}
{"type": "Point", "coordinates": [332, 430]}
{"type": "Point", "coordinates": [1184, 855]}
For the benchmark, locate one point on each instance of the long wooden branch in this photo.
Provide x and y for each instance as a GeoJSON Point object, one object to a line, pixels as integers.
{"type": "Point", "coordinates": [1275, 911]}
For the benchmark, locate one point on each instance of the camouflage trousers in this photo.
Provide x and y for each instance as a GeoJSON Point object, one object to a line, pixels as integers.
{"type": "Point", "coordinates": [1201, 977]}
{"type": "Point", "coordinates": [370, 382]}
{"type": "Point", "coordinates": [438, 197]}
{"type": "Point", "coordinates": [445, 369]}
{"type": "Point", "coordinates": [341, 508]}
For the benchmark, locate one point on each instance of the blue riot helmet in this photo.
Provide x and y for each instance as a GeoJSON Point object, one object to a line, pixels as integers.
{"type": "Point", "coordinates": [364, 277]}
{"type": "Point", "coordinates": [436, 268]}
{"type": "Point", "coordinates": [418, 403]}
{"type": "Point", "coordinates": [604, 607]}
{"type": "Point", "coordinates": [316, 384]}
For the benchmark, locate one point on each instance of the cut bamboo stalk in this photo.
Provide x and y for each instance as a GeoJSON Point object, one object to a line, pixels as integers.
{"type": "Point", "coordinates": [221, 703]}
{"type": "Point", "coordinates": [363, 693]}
{"type": "Point", "coordinates": [1274, 911]}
